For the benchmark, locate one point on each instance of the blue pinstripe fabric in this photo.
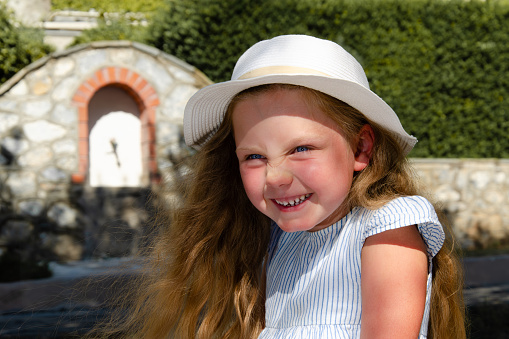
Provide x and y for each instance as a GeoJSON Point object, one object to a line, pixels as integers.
{"type": "Point", "coordinates": [313, 279]}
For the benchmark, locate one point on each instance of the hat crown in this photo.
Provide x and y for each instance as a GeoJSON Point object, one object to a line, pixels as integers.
{"type": "Point", "coordinates": [300, 54]}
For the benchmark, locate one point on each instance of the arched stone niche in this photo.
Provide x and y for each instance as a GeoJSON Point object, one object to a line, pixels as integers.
{"type": "Point", "coordinates": [45, 115]}
{"type": "Point", "coordinates": [123, 87]}
{"type": "Point", "coordinates": [48, 112]}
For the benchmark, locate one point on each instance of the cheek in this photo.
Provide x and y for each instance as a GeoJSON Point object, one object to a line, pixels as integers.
{"type": "Point", "coordinates": [311, 173]}
{"type": "Point", "coordinates": [253, 184]}
{"type": "Point", "coordinates": [326, 175]}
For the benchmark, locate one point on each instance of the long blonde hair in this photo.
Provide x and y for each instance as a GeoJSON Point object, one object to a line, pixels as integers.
{"type": "Point", "coordinates": [205, 277]}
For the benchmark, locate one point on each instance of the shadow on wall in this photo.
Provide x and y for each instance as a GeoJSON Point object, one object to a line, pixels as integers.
{"type": "Point", "coordinates": [96, 222]}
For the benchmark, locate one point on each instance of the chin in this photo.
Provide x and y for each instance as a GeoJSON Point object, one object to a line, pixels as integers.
{"type": "Point", "coordinates": [290, 227]}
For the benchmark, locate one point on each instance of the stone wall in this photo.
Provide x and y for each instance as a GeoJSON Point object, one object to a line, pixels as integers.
{"type": "Point", "coordinates": [474, 195]}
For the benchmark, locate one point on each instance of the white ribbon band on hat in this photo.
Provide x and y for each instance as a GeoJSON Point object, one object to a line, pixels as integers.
{"type": "Point", "coordinates": [280, 70]}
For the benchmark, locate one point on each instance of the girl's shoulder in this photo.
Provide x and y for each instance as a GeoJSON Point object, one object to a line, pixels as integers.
{"type": "Point", "coordinates": [407, 207]}
{"type": "Point", "coordinates": [406, 211]}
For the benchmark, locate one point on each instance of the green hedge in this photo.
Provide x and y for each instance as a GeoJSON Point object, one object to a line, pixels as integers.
{"type": "Point", "coordinates": [19, 45]}
{"type": "Point", "coordinates": [442, 65]}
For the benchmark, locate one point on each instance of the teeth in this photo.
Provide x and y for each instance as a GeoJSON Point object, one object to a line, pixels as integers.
{"type": "Point", "coordinates": [295, 202]}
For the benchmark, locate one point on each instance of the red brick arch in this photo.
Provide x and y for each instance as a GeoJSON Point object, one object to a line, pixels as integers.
{"type": "Point", "coordinates": [145, 96]}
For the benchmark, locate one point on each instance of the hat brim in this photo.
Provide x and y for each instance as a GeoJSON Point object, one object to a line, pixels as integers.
{"type": "Point", "coordinates": [205, 110]}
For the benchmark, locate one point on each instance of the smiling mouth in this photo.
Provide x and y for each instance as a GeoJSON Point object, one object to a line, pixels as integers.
{"type": "Point", "coordinates": [294, 202]}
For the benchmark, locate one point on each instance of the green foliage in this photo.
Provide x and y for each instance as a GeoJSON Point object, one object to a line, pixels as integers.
{"type": "Point", "coordinates": [442, 65]}
{"type": "Point", "coordinates": [112, 30]}
{"type": "Point", "coordinates": [19, 45]}
{"type": "Point", "coordinates": [109, 6]}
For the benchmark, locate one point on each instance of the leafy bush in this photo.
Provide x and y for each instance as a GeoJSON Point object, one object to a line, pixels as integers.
{"type": "Point", "coordinates": [19, 45]}
{"type": "Point", "coordinates": [112, 30]}
{"type": "Point", "coordinates": [442, 65]}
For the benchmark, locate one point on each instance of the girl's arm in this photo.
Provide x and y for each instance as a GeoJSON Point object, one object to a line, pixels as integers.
{"type": "Point", "coordinates": [393, 284]}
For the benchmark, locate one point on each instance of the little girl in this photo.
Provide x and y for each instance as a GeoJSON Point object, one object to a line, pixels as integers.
{"type": "Point", "coordinates": [300, 218]}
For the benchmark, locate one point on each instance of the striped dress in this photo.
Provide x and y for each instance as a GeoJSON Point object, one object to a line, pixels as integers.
{"type": "Point", "coordinates": [314, 278]}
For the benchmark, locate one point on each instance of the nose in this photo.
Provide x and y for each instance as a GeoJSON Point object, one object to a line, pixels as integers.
{"type": "Point", "coordinates": [278, 175]}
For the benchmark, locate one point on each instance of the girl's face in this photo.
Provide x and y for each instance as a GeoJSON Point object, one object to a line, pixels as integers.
{"type": "Point", "coordinates": [295, 164]}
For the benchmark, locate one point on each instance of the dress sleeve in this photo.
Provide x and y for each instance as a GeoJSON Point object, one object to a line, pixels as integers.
{"type": "Point", "coordinates": [406, 211]}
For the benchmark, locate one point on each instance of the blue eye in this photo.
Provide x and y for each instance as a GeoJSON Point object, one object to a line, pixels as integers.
{"type": "Point", "coordinates": [254, 156]}
{"type": "Point", "coordinates": [301, 149]}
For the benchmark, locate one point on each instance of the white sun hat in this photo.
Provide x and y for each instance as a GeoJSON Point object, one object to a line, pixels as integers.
{"type": "Point", "coordinates": [298, 60]}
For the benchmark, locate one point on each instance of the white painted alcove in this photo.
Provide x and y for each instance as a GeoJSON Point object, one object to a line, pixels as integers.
{"type": "Point", "coordinates": [115, 140]}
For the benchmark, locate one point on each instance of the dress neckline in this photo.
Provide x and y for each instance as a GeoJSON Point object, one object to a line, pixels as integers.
{"type": "Point", "coordinates": [333, 228]}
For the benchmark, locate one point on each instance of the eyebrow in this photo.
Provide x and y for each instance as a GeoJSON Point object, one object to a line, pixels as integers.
{"type": "Point", "coordinates": [307, 140]}
{"type": "Point", "coordinates": [298, 141]}
{"type": "Point", "coordinates": [246, 149]}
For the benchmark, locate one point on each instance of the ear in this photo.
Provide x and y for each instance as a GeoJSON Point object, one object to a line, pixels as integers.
{"type": "Point", "coordinates": [364, 147]}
